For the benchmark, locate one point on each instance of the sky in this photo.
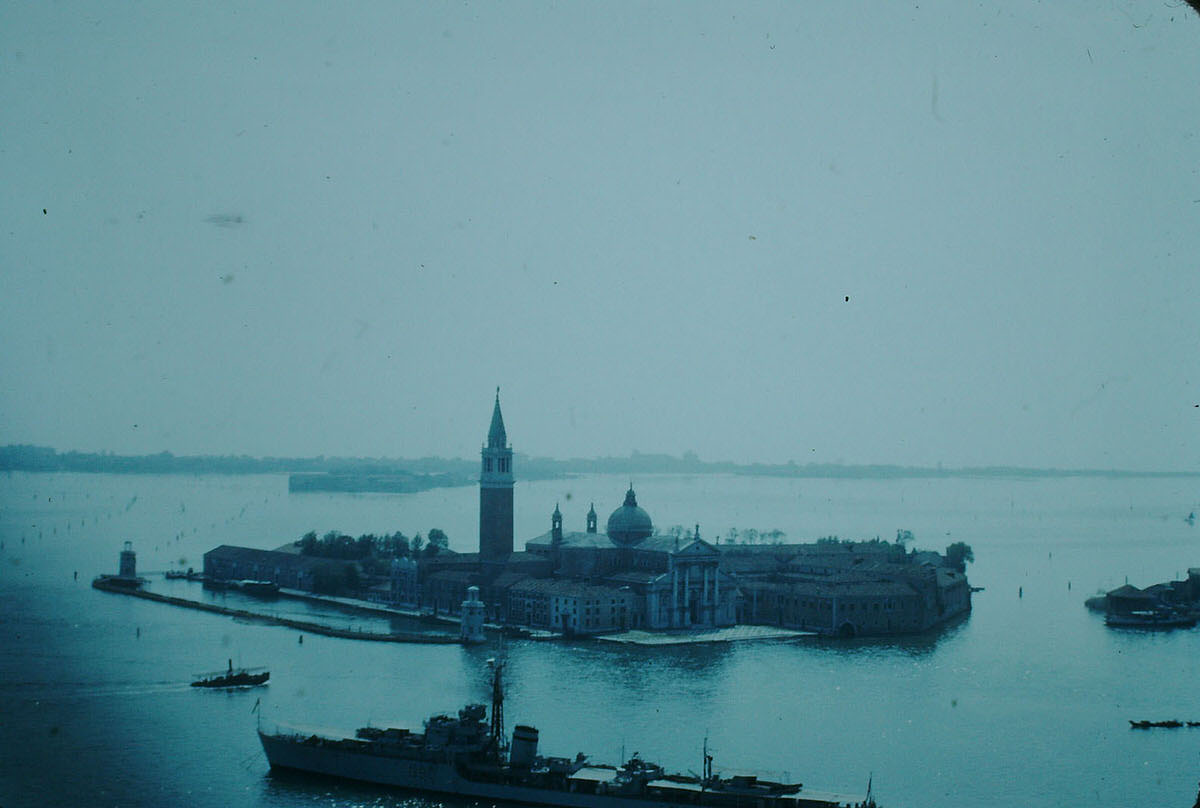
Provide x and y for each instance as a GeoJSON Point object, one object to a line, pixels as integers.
{"type": "Point", "coordinates": [913, 233]}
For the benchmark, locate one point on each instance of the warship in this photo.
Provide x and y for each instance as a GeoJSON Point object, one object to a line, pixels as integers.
{"type": "Point", "coordinates": [468, 756]}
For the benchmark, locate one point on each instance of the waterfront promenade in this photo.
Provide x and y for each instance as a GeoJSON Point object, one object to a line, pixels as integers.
{"type": "Point", "coordinates": [739, 633]}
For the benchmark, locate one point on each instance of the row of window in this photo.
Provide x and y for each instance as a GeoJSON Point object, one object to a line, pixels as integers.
{"type": "Point", "coordinates": [503, 464]}
{"type": "Point", "coordinates": [825, 605]}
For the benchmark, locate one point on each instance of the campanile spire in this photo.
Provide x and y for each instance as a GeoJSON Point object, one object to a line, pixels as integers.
{"type": "Point", "coordinates": [497, 438]}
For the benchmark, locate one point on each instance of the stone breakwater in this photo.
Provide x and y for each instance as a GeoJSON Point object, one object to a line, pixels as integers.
{"type": "Point", "coordinates": [302, 625]}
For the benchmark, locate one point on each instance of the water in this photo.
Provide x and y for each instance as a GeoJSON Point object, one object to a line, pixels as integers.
{"type": "Point", "coordinates": [1023, 703]}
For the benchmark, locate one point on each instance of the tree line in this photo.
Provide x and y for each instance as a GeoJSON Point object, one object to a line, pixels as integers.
{"type": "Point", "coordinates": [735, 536]}
{"type": "Point", "coordinates": [369, 546]}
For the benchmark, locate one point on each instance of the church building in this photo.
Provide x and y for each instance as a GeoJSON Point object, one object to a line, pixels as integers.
{"type": "Point", "coordinates": [579, 582]}
{"type": "Point", "coordinates": [676, 581]}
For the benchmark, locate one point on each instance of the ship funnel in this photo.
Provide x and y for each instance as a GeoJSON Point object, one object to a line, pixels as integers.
{"type": "Point", "coordinates": [524, 746]}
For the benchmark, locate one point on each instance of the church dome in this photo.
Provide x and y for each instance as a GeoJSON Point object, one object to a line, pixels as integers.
{"type": "Point", "coordinates": [629, 524]}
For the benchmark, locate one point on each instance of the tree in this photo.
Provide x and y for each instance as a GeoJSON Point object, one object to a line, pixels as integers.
{"type": "Point", "coordinates": [416, 544]}
{"type": "Point", "coordinates": [437, 538]}
{"type": "Point", "coordinates": [750, 536]}
{"type": "Point", "coordinates": [399, 545]}
{"type": "Point", "coordinates": [375, 566]}
{"type": "Point", "coordinates": [903, 537]}
{"type": "Point", "coordinates": [308, 543]}
{"type": "Point", "coordinates": [958, 554]}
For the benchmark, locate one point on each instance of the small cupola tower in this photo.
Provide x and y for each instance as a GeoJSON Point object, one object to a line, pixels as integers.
{"type": "Point", "coordinates": [591, 519]}
{"type": "Point", "coordinates": [556, 536]}
{"type": "Point", "coordinates": [496, 492]}
{"type": "Point", "coordinates": [556, 525]}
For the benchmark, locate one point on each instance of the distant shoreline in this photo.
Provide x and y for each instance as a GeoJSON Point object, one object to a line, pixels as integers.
{"type": "Point", "coordinates": [456, 471]}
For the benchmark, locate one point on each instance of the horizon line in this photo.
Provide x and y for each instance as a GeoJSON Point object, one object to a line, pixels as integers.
{"type": "Point", "coordinates": [689, 457]}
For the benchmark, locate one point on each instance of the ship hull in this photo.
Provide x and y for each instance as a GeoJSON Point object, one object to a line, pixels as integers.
{"type": "Point", "coordinates": [416, 775]}
{"type": "Point", "coordinates": [438, 778]}
{"type": "Point", "coordinates": [234, 680]}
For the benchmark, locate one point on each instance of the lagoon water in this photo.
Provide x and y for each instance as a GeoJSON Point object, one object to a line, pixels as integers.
{"type": "Point", "coordinates": [1025, 702]}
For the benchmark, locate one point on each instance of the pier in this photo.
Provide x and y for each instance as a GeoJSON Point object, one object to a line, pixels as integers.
{"type": "Point", "coordinates": [105, 585]}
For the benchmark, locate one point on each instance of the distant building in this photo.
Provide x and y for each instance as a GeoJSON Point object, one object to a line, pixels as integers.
{"type": "Point", "coordinates": [846, 589]}
{"type": "Point", "coordinates": [290, 570]}
{"type": "Point", "coordinates": [1128, 599]}
{"type": "Point", "coordinates": [572, 607]}
{"type": "Point", "coordinates": [444, 591]}
{"type": "Point", "coordinates": [404, 588]}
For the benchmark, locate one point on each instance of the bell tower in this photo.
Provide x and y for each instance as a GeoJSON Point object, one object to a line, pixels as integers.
{"type": "Point", "coordinates": [496, 492]}
{"type": "Point", "coordinates": [556, 525]}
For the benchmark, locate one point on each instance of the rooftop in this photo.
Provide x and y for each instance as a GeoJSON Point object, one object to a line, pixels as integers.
{"type": "Point", "coordinates": [563, 588]}
{"type": "Point", "coordinates": [574, 539]}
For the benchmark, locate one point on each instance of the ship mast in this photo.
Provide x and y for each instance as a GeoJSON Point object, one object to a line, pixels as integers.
{"type": "Point", "coordinates": [497, 706]}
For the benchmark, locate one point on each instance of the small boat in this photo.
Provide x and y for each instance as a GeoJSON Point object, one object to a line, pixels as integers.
{"type": "Point", "coordinates": [1154, 619]}
{"type": "Point", "coordinates": [263, 589]}
{"type": "Point", "coordinates": [1160, 724]}
{"type": "Point", "coordinates": [233, 677]}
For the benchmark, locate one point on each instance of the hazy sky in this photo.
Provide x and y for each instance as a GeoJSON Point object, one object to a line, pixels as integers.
{"type": "Point", "coordinates": [295, 229]}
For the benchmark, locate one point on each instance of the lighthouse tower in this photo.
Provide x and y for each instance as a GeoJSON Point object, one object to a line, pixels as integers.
{"type": "Point", "coordinates": [496, 493]}
{"type": "Point", "coordinates": [128, 567]}
{"type": "Point", "coordinates": [472, 618]}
